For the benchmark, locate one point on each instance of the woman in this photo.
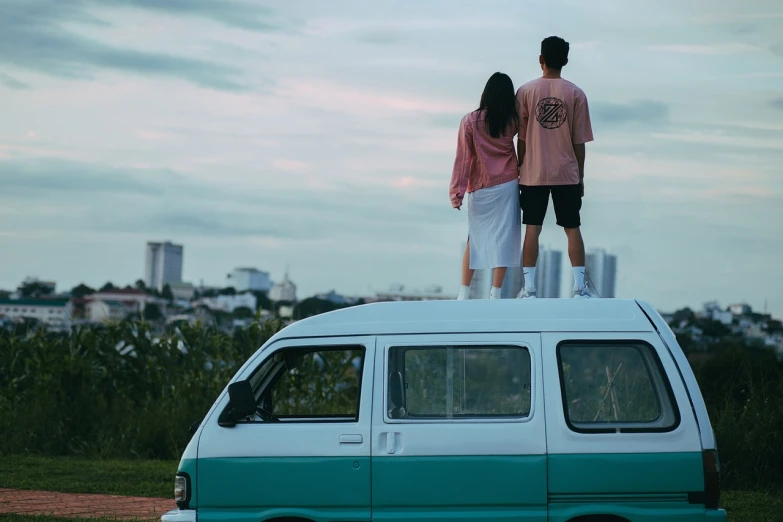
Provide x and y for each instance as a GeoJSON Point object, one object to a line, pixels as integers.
{"type": "Point", "coordinates": [486, 170]}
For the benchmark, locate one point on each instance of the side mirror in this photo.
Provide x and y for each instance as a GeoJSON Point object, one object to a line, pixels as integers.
{"type": "Point", "coordinates": [242, 403]}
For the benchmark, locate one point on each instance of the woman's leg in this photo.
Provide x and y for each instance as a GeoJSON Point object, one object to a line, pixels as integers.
{"type": "Point", "coordinates": [467, 272]}
{"type": "Point", "coordinates": [498, 275]}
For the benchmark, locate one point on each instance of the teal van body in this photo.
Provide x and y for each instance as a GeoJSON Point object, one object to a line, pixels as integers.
{"type": "Point", "coordinates": [554, 410]}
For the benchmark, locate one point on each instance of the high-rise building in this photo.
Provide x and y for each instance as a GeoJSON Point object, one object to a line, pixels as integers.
{"type": "Point", "coordinates": [548, 273]}
{"type": "Point", "coordinates": [163, 264]}
{"type": "Point", "coordinates": [244, 279]}
{"type": "Point", "coordinates": [601, 272]}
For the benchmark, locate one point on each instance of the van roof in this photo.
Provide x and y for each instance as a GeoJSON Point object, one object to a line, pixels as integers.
{"type": "Point", "coordinates": [476, 316]}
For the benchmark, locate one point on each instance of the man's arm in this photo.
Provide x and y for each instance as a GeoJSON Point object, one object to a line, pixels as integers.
{"type": "Point", "coordinates": [579, 151]}
{"type": "Point", "coordinates": [521, 148]}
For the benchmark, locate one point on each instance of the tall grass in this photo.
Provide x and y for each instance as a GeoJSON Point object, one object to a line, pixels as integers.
{"type": "Point", "coordinates": [117, 391]}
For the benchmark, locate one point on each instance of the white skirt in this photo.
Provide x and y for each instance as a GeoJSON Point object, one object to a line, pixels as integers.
{"type": "Point", "coordinates": [495, 226]}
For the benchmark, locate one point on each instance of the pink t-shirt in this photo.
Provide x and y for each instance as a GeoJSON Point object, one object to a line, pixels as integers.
{"type": "Point", "coordinates": [553, 116]}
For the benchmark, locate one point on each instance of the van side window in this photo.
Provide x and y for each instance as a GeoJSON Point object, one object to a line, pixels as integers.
{"type": "Point", "coordinates": [445, 382]}
{"type": "Point", "coordinates": [611, 386]}
{"type": "Point", "coordinates": [310, 384]}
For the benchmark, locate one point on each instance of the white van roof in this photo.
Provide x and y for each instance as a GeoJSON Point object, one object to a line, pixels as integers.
{"type": "Point", "coordinates": [476, 316]}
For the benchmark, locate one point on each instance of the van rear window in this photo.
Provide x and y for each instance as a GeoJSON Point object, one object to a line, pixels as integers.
{"type": "Point", "coordinates": [445, 382]}
{"type": "Point", "coordinates": [615, 386]}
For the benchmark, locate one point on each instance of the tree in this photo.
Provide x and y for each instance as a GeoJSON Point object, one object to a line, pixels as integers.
{"type": "Point", "coordinates": [81, 290]}
{"type": "Point", "coordinates": [262, 300]}
{"type": "Point", "coordinates": [313, 306]}
{"type": "Point", "coordinates": [108, 287]}
{"type": "Point", "coordinates": [229, 290]}
{"type": "Point", "coordinates": [152, 312]}
{"type": "Point", "coordinates": [140, 285]}
{"type": "Point", "coordinates": [34, 289]}
{"type": "Point", "coordinates": [167, 293]}
{"type": "Point", "coordinates": [243, 312]}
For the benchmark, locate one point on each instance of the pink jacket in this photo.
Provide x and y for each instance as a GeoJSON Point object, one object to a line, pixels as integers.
{"type": "Point", "coordinates": [482, 161]}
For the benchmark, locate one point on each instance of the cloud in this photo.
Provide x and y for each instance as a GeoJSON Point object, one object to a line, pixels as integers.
{"type": "Point", "coordinates": [12, 83]}
{"type": "Point", "coordinates": [241, 15]}
{"type": "Point", "coordinates": [32, 37]}
{"type": "Point", "coordinates": [722, 140]}
{"type": "Point", "coordinates": [708, 49]}
{"type": "Point", "coordinates": [381, 38]}
{"type": "Point", "coordinates": [777, 103]}
{"type": "Point", "coordinates": [641, 111]}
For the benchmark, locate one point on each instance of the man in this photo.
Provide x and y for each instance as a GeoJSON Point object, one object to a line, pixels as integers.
{"type": "Point", "coordinates": [554, 125]}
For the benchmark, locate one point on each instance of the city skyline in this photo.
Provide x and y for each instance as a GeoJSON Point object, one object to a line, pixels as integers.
{"type": "Point", "coordinates": [323, 135]}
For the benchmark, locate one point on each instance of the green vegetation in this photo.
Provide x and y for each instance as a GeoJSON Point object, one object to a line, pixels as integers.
{"type": "Point", "coordinates": [136, 478]}
{"type": "Point", "coordinates": [116, 391]}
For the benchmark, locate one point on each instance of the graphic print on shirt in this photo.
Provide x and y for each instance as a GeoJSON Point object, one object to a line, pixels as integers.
{"type": "Point", "coordinates": [551, 113]}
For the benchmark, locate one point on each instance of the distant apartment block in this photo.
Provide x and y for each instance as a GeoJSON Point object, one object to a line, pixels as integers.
{"type": "Point", "coordinates": [548, 273]}
{"type": "Point", "coordinates": [601, 272]}
{"type": "Point", "coordinates": [163, 264]}
{"type": "Point", "coordinates": [252, 279]}
{"type": "Point", "coordinates": [54, 313]}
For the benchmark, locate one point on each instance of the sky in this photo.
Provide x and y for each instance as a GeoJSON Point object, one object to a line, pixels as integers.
{"type": "Point", "coordinates": [321, 136]}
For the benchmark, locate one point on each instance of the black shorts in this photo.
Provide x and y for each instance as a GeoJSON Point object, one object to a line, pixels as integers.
{"type": "Point", "coordinates": [567, 200]}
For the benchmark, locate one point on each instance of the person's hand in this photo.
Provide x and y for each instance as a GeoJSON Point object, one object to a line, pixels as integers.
{"type": "Point", "coordinates": [456, 201]}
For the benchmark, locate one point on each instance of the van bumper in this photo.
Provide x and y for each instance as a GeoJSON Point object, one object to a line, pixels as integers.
{"type": "Point", "coordinates": [183, 515]}
{"type": "Point", "coordinates": [715, 515]}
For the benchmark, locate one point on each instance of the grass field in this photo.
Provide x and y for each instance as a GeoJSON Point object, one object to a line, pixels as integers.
{"type": "Point", "coordinates": [149, 478]}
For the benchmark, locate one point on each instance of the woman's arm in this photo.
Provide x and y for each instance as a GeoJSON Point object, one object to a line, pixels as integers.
{"type": "Point", "coordinates": [462, 162]}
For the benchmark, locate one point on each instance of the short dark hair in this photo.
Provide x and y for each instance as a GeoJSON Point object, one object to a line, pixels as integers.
{"type": "Point", "coordinates": [555, 52]}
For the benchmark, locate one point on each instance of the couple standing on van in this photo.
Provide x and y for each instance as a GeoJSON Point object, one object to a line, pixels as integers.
{"type": "Point", "coordinates": [550, 117]}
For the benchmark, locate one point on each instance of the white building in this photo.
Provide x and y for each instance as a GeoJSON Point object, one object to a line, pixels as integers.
{"type": "Point", "coordinates": [229, 303]}
{"type": "Point", "coordinates": [740, 309]}
{"type": "Point", "coordinates": [131, 297]}
{"type": "Point", "coordinates": [244, 279]}
{"type": "Point", "coordinates": [283, 291]}
{"type": "Point", "coordinates": [182, 291]}
{"type": "Point", "coordinates": [54, 313]}
{"type": "Point", "coordinates": [601, 272]}
{"type": "Point", "coordinates": [100, 311]}
{"type": "Point", "coordinates": [163, 264]}
{"type": "Point", "coordinates": [399, 293]}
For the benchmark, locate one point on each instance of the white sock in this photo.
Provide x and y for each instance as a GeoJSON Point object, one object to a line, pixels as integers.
{"type": "Point", "coordinates": [530, 278]}
{"type": "Point", "coordinates": [463, 292]}
{"type": "Point", "coordinates": [494, 293]}
{"type": "Point", "coordinates": [579, 276]}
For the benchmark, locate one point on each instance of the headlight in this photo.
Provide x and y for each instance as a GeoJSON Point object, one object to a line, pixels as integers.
{"type": "Point", "coordinates": [181, 491]}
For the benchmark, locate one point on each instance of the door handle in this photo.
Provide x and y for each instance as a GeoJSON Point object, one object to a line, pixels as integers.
{"type": "Point", "coordinates": [391, 441]}
{"type": "Point", "coordinates": [351, 439]}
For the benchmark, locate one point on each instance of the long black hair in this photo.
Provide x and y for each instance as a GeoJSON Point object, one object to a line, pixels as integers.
{"type": "Point", "coordinates": [499, 102]}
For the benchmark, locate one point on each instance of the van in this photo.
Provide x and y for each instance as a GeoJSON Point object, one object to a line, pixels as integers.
{"type": "Point", "coordinates": [560, 410]}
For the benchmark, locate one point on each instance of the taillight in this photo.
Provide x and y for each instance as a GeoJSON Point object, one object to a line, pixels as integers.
{"type": "Point", "coordinates": [711, 479]}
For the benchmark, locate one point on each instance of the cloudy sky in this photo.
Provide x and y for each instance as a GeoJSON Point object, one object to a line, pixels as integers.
{"type": "Point", "coordinates": [322, 135]}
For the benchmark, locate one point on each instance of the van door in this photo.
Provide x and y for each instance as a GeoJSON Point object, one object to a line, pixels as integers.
{"type": "Point", "coordinates": [306, 452]}
{"type": "Point", "coordinates": [622, 436]}
{"type": "Point", "coordinates": [458, 428]}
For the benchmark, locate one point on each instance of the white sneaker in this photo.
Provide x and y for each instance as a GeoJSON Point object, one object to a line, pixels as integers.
{"type": "Point", "coordinates": [582, 292]}
{"type": "Point", "coordinates": [524, 294]}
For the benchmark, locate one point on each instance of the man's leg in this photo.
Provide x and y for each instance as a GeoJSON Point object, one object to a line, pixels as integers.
{"type": "Point", "coordinates": [567, 200]}
{"type": "Point", "coordinates": [533, 201]}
